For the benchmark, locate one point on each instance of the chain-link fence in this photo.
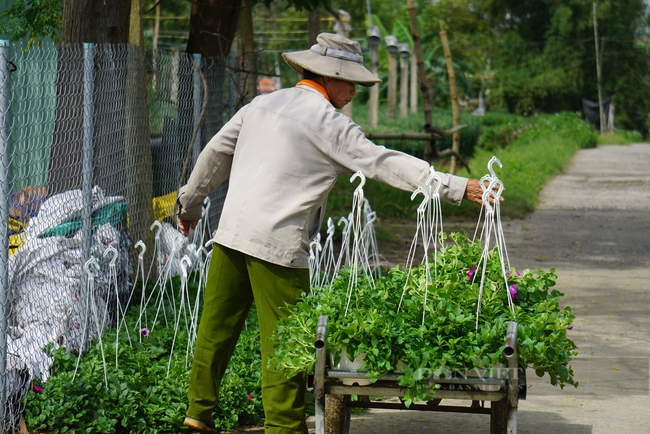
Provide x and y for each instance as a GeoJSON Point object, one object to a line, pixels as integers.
{"type": "Point", "coordinates": [95, 141]}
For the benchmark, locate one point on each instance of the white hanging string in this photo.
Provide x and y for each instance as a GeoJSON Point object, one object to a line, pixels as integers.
{"type": "Point", "coordinates": [492, 227]}
{"type": "Point", "coordinates": [428, 229]}
{"type": "Point", "coordinates": [328, 259]}
{"type": "Point", "coordinates": [185, 263]}
{"type": "Point", "coordinates": [344, 254]}
{"type": "Point", "coordinates": [370, 238]}
{"type": "Point", "coordinates": [315, 249]}
{"type": "Point", "coordinates": [140, 272]}
{"type": "Point", "coordinates": [119, 321]}
{"type": "Point", "coordinates": [91, 300]}
{"type": "Point", "coordinates": [358, 258]}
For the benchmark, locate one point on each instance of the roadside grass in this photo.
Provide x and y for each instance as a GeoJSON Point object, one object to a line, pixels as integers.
{"type": "Point", "coordinates": [620, 137]}
{"type": "Point", "coordinates": [532, 150]}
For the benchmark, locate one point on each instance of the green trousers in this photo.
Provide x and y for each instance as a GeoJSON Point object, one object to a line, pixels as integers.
{"type": "Point", "coordinates": [234, 281]}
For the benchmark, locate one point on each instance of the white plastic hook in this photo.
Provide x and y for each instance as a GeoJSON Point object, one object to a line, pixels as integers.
{"type": "Point", "coordinates": [425, 201]}
{"type": "Point", "coordinates": [493, 160]}
{"type": "Point", "coordinates": [372, 216]}
{"type": "Point", "coordinates": [140, 245]}
{"type": "Point", "coordinates": [204, 251]}
{"type": "Point", "coordinates": [345, 222]}
{"type": "Point", "coordinates": [429, 182]}
{"type": "Point", "coordinates": [185, 263]}
{"type": "Point", "coordinates": [330, 227]}
{"type": "Point", "coordinates": [486, 199]}
{"type": "Point", "coordinates": [113, 250]}
{"type": "Point", "coordinates": [92, 261]}
{"type": "Point", "coordinates": [207, 203]}
{"type": "Point", "coordinates": [156, 224]}
{"type": "Point", "coordinates": [209, 243]}
{"type": "Point", "coordinates": [359, 189]}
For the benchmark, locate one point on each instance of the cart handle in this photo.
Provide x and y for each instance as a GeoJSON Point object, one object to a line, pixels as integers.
{"type": "Point", "coordinates": [321, 332]}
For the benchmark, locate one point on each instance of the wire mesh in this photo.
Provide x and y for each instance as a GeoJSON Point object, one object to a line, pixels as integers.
{"type": "Point", "coordinates": [97, 141]}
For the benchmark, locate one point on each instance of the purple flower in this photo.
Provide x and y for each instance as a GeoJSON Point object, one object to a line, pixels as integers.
{"type": "Point", "coordinates": [470, 272]}
{"type": "Point", "coordinates": [516, 274]}
{"type": "Point", "coordinates": [569, 327]}
{"type": "Point", "coordinates": [144, 332]}
{"type": "Point", "coordinates": [513, 290]}
{"type": "Point", "coordinates": [36, 388]}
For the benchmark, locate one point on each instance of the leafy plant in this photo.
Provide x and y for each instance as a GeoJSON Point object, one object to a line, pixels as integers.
{"type": "Point", "coordinates": [144, 392]}
{"type": "Point", "coordinates": [431, 327]}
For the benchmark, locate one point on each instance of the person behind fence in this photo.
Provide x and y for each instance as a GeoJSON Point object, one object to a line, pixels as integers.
{"type": "Point", "coordinates": [282, 154]}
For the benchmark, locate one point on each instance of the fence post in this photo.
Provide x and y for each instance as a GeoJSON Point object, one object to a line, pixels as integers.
{"type": "Point", "coordinates": [4, 219]}
{"type": "Point", "coordinates": [198, 102]}
{"type": "Point", "coordinates": [87, 187]}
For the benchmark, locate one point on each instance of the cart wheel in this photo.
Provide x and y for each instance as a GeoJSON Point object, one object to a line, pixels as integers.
{"type": "Point", "coordinates": [499, 416]}
{"type": "Point", "coordinates": [337, 414]}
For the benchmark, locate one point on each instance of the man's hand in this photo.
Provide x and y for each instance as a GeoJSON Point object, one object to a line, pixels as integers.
{"type": "Point", "coordinates": [184, 226]}
{"type": "Point", "coordinates": [474, 192]}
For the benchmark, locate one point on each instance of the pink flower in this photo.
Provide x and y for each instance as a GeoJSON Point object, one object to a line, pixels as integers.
{"type": "Point", "coordinates": [144, 332]}
{"type": "Point", "coordinates": [569, 327]}
{"type": "Point", "coordinates": [470, 272]}
{"type": "Point", "coordinates": [36, 388]}
{"type": "Point", "coordinates": [513, 290]}
{"type": "Point", "coordinates": [250, 396]}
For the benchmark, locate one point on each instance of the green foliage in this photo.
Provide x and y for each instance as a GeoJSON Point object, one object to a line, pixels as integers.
{"type": "Point", "coordinates": [619, 137]}
{"type": "Point", "coordinates": [32, 19]}
{"type": "Point", "coordinates": [143, 395]}
{"type": "Point", "coordinates": [543, 147]}
{"type": "Point", "coordinates": [532, 150]}
{"type": "Point", "coordinates": [426, 325]}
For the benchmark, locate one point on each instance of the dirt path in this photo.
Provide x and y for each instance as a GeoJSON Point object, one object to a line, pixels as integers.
{"type": "Point", "coordinates": [593, 227]}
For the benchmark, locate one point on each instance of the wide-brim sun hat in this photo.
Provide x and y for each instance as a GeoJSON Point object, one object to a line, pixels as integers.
{"type": "Point", "coordinates": [333, 56]}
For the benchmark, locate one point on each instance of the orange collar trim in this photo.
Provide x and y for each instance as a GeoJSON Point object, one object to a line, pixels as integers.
{"type": "Point", "coordinates": [316, 86]}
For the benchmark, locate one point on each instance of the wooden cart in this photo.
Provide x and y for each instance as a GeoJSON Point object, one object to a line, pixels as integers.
{"type": "Point", "coordinates": [333, 388]}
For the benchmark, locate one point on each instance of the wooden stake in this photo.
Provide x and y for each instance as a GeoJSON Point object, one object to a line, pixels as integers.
{"type": "Point", "coordinates": [454, 97]}
{"type": "Point", "coordinates": [603, 127]}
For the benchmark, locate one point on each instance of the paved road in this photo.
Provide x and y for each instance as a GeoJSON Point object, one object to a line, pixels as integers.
{"type": "Point", "coordinates": [593, 226]}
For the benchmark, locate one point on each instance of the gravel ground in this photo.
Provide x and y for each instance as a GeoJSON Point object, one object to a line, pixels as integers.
{"type": "Point", "coordinates": [593, 226]}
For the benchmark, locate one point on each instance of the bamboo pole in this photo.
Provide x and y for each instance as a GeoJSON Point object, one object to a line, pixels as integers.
{"type": "Point", "coordinates": [392, 80]}
{"type": "Point", "coordinates": [454, 97]}
{"type": "Point", "coordinates": [430, 147]}
{"type": "Point", "coordinates": [414, 84]}
{"type": "Point", "coordinates": [404, 81]}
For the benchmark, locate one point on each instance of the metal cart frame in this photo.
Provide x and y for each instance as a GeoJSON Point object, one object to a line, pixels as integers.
{"type": "Point", "coordinates": [333, 388]}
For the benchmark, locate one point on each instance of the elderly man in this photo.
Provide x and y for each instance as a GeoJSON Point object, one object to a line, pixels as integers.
{"type": "Point", "coordinates": [283, 153]}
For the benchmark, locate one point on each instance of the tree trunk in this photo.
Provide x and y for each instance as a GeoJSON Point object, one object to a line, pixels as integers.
{"type": "Point", "coordinates": [120, 122]}
{"type": "Point", "coordinates": [213, 24]}
{"type": "Point", "coordinates": [81, 21]}
{"type": "Point", "coordinates": [101, 22]}
{"type": "Point", "coordinates": [313, 25]}
{"type": "Point", "coordinates": [430, 147]}
{"type": "Point", "coordinates": [247, 52]}
{"type": "Point", "coordinates": [454, 97]}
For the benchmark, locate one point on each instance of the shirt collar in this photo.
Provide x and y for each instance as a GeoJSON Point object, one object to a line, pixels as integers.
{"type": "Point", "coordinates": [316, 86]}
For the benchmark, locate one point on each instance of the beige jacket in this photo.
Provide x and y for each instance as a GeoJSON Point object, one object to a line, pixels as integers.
{"type": "Point", "coordinates": [283, 152]}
